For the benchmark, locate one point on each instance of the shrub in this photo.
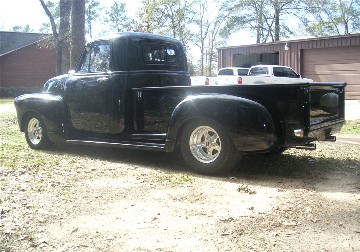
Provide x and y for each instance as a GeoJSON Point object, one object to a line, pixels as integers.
{"type": "Point", "coordinates": [12, 92]}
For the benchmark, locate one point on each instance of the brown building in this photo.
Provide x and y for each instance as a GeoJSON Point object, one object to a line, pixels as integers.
{"type": "Point", "coordinates": [25, 60]}
{"type": "Point", "coordinates": [321, 59]}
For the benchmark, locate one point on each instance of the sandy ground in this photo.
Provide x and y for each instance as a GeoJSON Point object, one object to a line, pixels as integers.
{"type": "Point", "coordinates": [78, 198]}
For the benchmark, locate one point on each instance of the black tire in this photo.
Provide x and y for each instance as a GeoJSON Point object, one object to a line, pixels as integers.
{"type": "Point", "coordinates": [35, 132]}
{"type": "Point", "coordinates": [206, 147]}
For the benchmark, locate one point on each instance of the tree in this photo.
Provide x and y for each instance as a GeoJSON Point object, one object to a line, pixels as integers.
{"type": "Point", "coordinates": [117, 19]}
{"type": "Point", "coordinates": [60, 34]}
{"type": "Point", "coordinates": [77, 30]}
{"type": "Point", "coordinates": [207, 25]}
{"type": "Point", "coordinates": [202, 23]}
{"type": "Point", "coordinates": [19, 28]}
{"type": "Point", "coordinates": [168, 17]}
{"type": "Point", "coordinates": [262, 17]}
{"type": "Point", "coordinates": [146, 16]}
{"type": "Point", "coordinates": [92, 9]}
{"type": "Point", "coordinates": [69, 34]}
{"type": "Point", "coordinates": [331, 17]}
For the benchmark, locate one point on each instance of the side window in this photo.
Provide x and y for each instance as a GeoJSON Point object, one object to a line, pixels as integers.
{"type": "Point", "coordinates": [159, 54]}
{"type": "Point", "coordinates": [258, 71]}
{"type": "Point", "coordinates": [96, 58]}
{"type": "Point", "coordinates": [284, 72]}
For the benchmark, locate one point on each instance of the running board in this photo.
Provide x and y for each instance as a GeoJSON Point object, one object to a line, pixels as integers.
{"type": "Point", "coordinates": [310, 146]}
{"type": "Point", "coordinates": [128, 145]}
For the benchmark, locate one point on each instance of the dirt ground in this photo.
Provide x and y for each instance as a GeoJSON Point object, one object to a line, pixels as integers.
{"type": "Point", "coordinates": [99, 199]}
{"type": "Point", "coordinates": [143, 201]}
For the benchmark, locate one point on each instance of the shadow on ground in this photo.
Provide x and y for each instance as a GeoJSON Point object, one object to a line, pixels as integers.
{"type": "Point", "coordinates": [257, 169]}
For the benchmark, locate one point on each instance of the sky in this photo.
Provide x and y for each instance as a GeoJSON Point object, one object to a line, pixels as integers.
{"type": "Point", "coordinates": [30, 12]}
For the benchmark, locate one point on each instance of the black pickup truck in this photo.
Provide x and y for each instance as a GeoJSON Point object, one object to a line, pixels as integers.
{"type": "Point", "coordinates": [133, 90]}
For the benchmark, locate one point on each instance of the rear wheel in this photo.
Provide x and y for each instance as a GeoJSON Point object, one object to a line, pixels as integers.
{"type": "Point", "coordinates": [206, 147]}
{"type": "Point", "coordinates": [36, 133]}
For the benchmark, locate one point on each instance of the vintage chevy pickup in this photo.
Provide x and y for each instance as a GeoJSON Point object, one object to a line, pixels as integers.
{"type": "Point", "coordinates": [133, 90]}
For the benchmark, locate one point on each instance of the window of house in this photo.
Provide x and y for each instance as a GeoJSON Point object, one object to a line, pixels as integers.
{"type": "Point", "coordinates": [96, 58]}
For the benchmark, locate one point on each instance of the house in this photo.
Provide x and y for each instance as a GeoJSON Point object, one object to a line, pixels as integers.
{"type": "Point", "coordinates": [26, 60]}
{"type": "Point", "coordinates": [329, 59]}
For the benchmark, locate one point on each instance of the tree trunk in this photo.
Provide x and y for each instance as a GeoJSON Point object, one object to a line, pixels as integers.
{"type": "Point", "coordinates": [56, 38]}
{"type": "Point", "coordinates": [64, 34]}
{"type": "Point", "coordinates": [277, 20]}
{"type": "Point", "coordinates": [77, 30]}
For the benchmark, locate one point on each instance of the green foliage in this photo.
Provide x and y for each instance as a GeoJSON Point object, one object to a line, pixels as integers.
{"type": "Point", "coordinates": [266, 19]}
{"type": "Point", "coordinates": [167, 17]}
{"type": "Point", "coordinates": [334, 17]}
{"type": "Point", "coordinates": [117, 19]}
{"type": "Point", "coordinates": [16, 91]}
{"type": "Point", "coordinates": [54, 9]}
{"type": "Point", "coordinates": [92, 13]}
{"type": "Point", "coordinates": [20, 28]}
{"type": "Point", "coordinates": [174, 179]}
{"type": "Point", "coordinates": [351, 127]}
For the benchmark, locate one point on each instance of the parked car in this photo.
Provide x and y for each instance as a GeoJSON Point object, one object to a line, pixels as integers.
{"type": "Point", "coordinates": [272, 74]}
{"type": "Point", "coordinates": [225, 75]}
{"type": "Point", "coordinates": [230, 75]}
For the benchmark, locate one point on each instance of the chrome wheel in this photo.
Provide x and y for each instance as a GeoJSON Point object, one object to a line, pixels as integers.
{"type": "Point", "coordinates": [205, 144]}
{"type": "Point", "coordinates": [34, 130]}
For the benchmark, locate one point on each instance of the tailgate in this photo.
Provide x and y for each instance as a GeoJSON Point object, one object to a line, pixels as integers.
{"type": "Point", "coordinates": [327, 106]}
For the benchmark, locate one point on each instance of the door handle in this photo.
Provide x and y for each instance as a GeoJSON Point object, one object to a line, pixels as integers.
{"type": "Point", "coordinates": [102, 79]}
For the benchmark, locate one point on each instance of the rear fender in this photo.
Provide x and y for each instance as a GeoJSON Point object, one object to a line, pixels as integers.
{"type": "Point", "coordinates": [248, 123]}
{"type": "Point", "coordinates": [49, 107]}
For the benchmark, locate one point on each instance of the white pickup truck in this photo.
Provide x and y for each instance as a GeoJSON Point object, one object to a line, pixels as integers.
{"type": "Point", "coordinates": [260, 74]}
{"type": "Point", "coordinates": [231, 75]}
{"type": "Point", "coordinates": [225, 76]}
{"type": "Point", "coordinates": [272, 74]}
{"type": "Point", "coordinates": [266, 74]}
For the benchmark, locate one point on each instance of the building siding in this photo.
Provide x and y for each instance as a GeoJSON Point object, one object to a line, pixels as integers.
{"type": "Point", "coordinates": [30, 66]}
{"type": "Point", "coordinates": [293, 57]}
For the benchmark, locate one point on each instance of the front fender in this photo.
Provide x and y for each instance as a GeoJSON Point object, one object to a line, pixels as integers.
{"type": "Point", "coordinates": [49, 107]}
{"type": "Point", "coordinates": [248, 123]}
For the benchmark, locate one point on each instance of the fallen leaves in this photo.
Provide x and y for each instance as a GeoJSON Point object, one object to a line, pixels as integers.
{"type": "Point", "coordinates": [245, 189]}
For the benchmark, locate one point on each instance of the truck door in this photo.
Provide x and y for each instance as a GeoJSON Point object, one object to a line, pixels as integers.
{"type": "Point", "coordinates": [89, 91]}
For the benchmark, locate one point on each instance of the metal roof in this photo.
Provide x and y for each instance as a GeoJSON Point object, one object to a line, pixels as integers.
{"type": "Point", "coordinates": [12, 41]}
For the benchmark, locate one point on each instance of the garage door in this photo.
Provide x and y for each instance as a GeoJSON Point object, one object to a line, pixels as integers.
{"type": "Point", "coordinates": [340, 64]}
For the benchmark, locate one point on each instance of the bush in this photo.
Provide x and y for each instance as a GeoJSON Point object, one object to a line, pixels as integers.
{"type": "Point", "coordinates": [12, 92]}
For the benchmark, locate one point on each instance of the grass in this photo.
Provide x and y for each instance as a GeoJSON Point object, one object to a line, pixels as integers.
{"type": "Point", "coordinates": [351, 127]}
{"type": "Point", "coordinates": [174, 179]}
{"type": "Point", "coordinates": [6, 101]}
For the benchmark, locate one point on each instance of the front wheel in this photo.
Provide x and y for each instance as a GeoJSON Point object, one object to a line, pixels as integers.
{"type": "Point", "coordinates": [206, 147]}
{"type": "Point", "coordinates": [36, 133]}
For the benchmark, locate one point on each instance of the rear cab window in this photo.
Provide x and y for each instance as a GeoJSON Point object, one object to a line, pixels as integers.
{"type": "Point", "coordinates": [159, 54]}
{"type": "Point", "coordinates": [242, 72]}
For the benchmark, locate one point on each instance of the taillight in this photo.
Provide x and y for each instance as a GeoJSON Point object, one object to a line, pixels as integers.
{"type": "Point", "coordinates": [239, 80]}
{"type": "Point", "coordinates": [207, 82]}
